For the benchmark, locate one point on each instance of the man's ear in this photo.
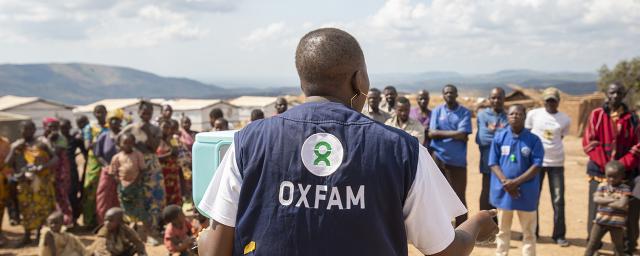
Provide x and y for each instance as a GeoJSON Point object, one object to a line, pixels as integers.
{"type": "Point", "coordinates": [360, 82]}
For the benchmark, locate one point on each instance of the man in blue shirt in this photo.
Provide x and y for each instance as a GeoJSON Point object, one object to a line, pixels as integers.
{"type": "Point", "coordinates": [449, 131]}
{"type": "Point", "coordinates": [515, 159]}
{"type": "Point", "coordinates": [490, 121]}
{"type": "Point", "coordinates": [323, 179]}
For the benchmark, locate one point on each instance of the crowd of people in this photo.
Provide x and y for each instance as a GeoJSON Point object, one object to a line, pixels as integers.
{"type": "Point", "coordinates": [136, 183]}
{"type": "Point", "coordinates": [519, 148]}
{"type": "Point", "coordinates": [137, 173]}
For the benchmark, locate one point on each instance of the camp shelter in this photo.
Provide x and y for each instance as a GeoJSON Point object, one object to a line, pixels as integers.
{"type": "Point", "coordinates": [11, 124]}
{"type": "Point", "coordinates": [36, 108]}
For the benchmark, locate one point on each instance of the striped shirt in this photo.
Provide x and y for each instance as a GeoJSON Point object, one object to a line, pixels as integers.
{"type": "Point", "coordinates": [611, 216]}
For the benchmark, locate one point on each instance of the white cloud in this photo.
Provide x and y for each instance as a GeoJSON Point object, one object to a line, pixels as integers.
{"type": "Point", "coordinates": [269, 32]}
{"type": "Point", "coordinates": [121, 22]}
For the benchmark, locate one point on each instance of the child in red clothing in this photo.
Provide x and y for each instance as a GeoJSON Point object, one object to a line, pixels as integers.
{"type": "Point", "coordinates": [177, 235]}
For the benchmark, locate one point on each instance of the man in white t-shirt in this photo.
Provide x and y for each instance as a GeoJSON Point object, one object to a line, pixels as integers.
{"type": "Point", "coordinates": [551, 126]}
{"type": "Point", "coordinates": [323, 179]}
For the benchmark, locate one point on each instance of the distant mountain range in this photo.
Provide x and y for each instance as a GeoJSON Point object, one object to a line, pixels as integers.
{"type": "Point", "coordinates": [569, 82]}
{"type": "Point", "coordinates": [78, 83]}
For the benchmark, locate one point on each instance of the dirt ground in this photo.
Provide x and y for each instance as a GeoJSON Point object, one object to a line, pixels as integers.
{"type": "Point", "coordinates": [576, 211]}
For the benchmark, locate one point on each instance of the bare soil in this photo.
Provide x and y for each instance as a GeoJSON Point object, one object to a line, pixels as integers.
{"type": "Point", "coordinates": [576, 211]}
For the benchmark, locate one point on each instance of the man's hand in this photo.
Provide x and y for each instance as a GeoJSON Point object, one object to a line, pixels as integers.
{"type": "Point", "coordinates": [511, 187]}
{"type": "Point", "coordinates": [488, 227]}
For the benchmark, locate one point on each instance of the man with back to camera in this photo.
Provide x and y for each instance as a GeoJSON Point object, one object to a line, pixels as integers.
{"type": "Point", "coordinates": [449, 131]}
{"type": "Point", "coordinates": [373, 107]}
{"type": "Point", "coordinates": [331, 190]}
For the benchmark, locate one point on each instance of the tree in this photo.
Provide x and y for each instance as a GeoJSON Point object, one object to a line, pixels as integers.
{"type": "Point", "coordinates": [626, 72]}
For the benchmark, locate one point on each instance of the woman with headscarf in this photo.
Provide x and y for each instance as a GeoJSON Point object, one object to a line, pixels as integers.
{"type": "Point", "coordinates": [148, 137]}
{"type": "Point", "coordinates": [32, 162]}
{"type": "Point", "coordinates": [104, 150]}
{"type": "Point", "coordinates": [62, 174]}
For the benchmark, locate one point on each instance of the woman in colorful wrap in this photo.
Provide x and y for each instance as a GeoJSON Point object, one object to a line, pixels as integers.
{"type": "Point", "coordinates": [104, 150]}
{"type": "Point", "coordinates": [187, 138]}
{"type": "Point", "coordinates": [31, 161]}
{"type": "Point", "coordinates": [91, 176]}
{"type": "Point", "coordinates": [167, 152]}
{"type": "Point", "coordinates": [5, 173]}
{"type": "Point", "coordinates": [148, 137]}
{"type": "Point", "coordinates": [62, 183]}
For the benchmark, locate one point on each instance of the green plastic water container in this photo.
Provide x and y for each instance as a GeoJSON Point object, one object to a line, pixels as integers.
{"type": "Point", "coordinates": [208, 151]}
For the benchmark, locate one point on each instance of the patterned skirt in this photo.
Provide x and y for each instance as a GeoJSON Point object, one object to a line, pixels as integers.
{"type": "Point", "coordinates": [132, 201]}
{"type": "Point", "coordinates": [106, 195]}
{"type": "Point", "coordinates": [172, 180]}
{"type": "Point", "coordinates": [154, 187]}
{"type": "Point", "coordinates": [37, 200]}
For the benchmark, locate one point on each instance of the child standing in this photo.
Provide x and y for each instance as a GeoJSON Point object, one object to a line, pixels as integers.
{"type": "Point", "coordinates": [612, 198]}
{"type": "Point", "coordinates": [127, 166]}
{"type": "Point", "coordinates": [55, 241]}
{"type": "Point", "coordinates": [177, 235]}
{"type": "Point", "coordinates": [515, 160]}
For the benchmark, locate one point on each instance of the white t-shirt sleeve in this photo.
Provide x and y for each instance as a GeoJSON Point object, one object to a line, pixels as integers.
{"type": "Point", "coordinates": [220, 201]}
{"type": "Point", "coordinates": [566, 124]}
{"type": "Point", "coordinates": [430, 207]}
{"type": "Point", "coordinates": [528, 122]}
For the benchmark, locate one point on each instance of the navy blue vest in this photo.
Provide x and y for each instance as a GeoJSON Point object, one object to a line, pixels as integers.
{"type": "Point", "coordinates": [364, 218]}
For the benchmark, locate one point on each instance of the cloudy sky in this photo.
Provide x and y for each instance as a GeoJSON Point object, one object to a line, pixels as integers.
{"type": "Point", "coordinates": [239, 40]}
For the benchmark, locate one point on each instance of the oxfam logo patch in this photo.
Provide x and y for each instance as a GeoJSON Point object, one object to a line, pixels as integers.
{"type": "Point", "coordinates": [322, 154]}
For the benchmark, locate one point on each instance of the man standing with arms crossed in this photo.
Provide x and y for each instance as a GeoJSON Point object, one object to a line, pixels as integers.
{"type": "Point", "coordinates": [322, 179]}
{"type": "Point", "coordinates": [612, 134]}
{"type": "Point", "coordinates": [551, 126]}
{"type": "Point", "coordinates": [449, 131]}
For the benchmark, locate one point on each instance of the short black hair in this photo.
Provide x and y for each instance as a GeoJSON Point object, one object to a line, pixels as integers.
{"type": "Point", "coordinates": [402, 100]}
{"type": "Point", "coordinates": [374, 90]}
{"type": "Point", "coordinates": [256, 114]}
{"type": "Point", "coordinates": [223, 121]}
{"type": "Point", "coordinates": [390, 88]}
{"type": "Point", "coordinates": [124, 136]}
{"type": "Point", "coordinates": [143, 104]}
{"type": "Point", "coordinates": [520, 106]}
{"type": "Point", "coordinates": [500, 89]}
{"type": "Point", "coordinates": [99, 107]}
{"type": "Point", "coordinates": [324, 56]}
{"type": "Point", "coordinates": [170, 213]}
{"type": "Point", "coordinates": [615, 165]}
{"type": "Point", "coordinates": [450, 86]}
{"type": "Point", "coordinates": [28, 123]}
{"type": "Point", "coordinates": [216, 113]}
